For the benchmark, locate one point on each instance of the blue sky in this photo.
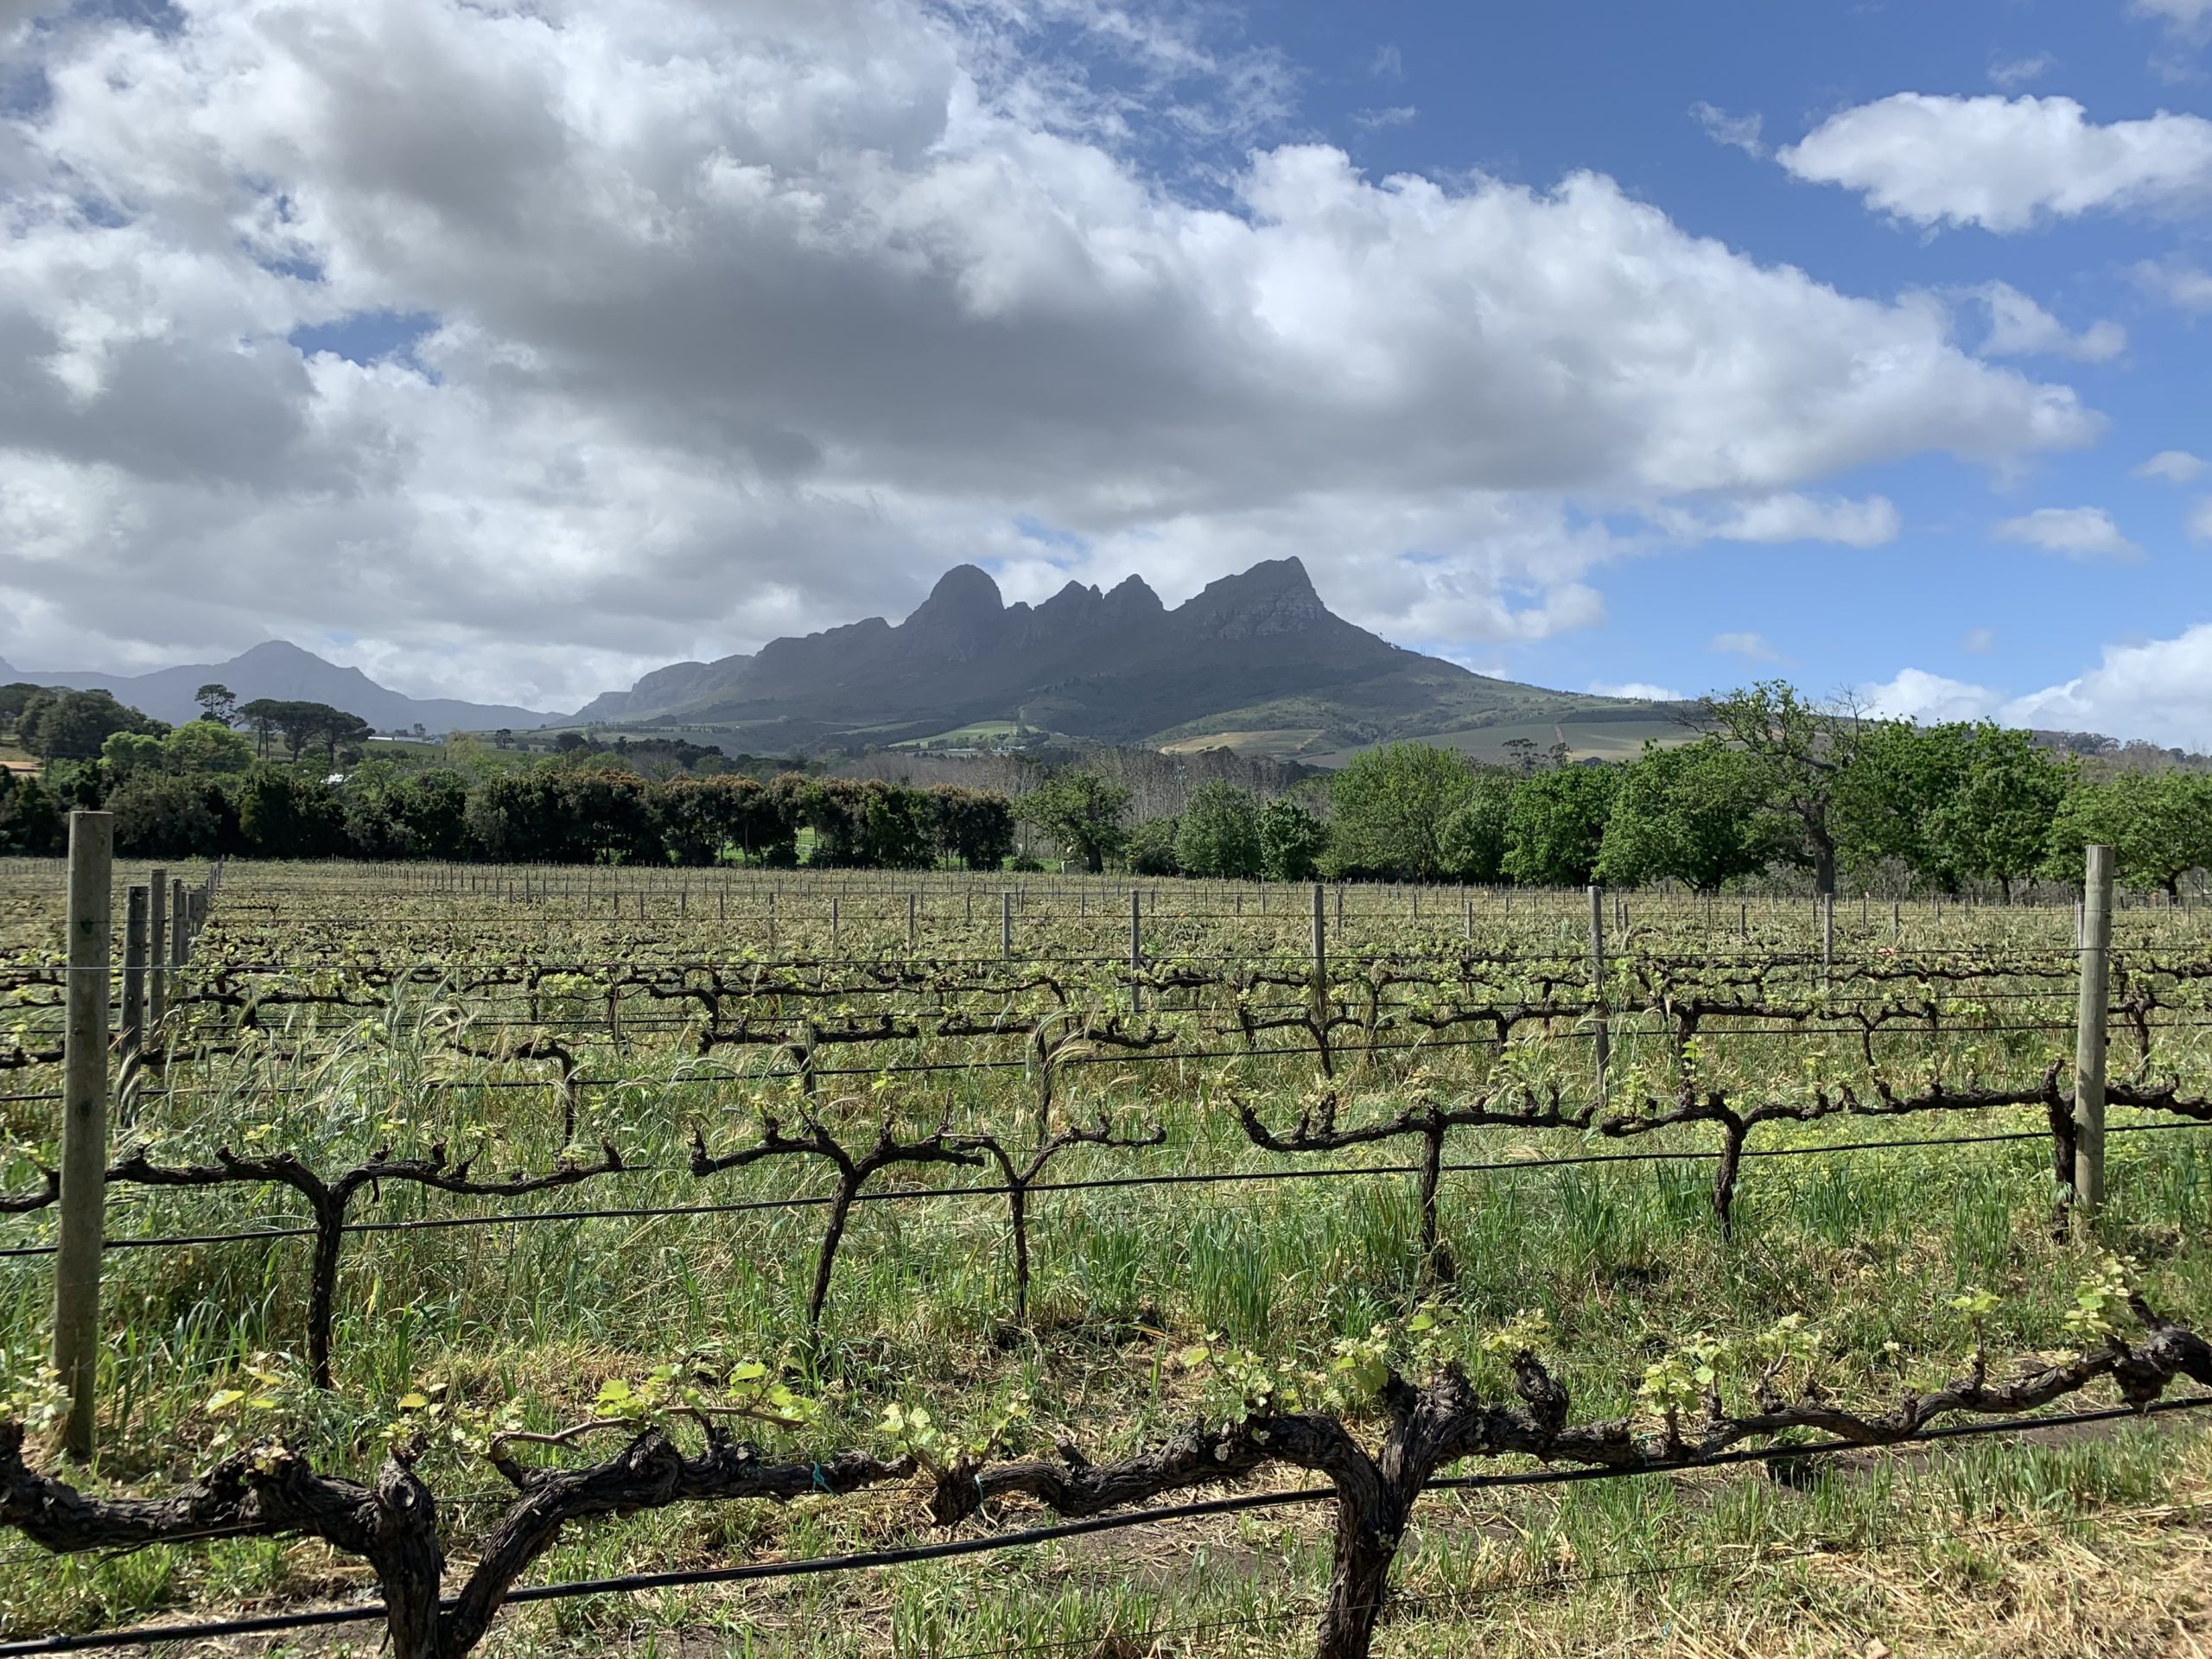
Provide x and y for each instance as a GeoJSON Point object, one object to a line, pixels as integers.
{"type": "Point", "coordinates": [1598, 343]}
{"type": "Point", "coordinates": [1535, 92]}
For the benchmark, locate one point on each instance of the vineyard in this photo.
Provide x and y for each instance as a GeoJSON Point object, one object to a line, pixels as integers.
{"type": "Point", "coordinates": [514, 1259]}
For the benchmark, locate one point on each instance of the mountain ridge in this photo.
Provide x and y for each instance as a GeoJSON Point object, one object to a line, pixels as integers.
{"type": "Point", "coordinates": [1113, 665]}
{"type": "Point", "coordinates": [279, 670]}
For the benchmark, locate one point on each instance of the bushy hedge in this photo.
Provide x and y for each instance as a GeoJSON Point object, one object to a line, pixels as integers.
{"type": "Point", "coordinates": [548, 814]}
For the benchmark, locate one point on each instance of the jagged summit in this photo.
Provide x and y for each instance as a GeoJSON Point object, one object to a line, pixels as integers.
{"type": "Point", "coordinates": [1255, 649]}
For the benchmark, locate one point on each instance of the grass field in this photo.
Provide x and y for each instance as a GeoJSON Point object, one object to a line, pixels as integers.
{"type": "Point", "coordinates": [330, 1011]}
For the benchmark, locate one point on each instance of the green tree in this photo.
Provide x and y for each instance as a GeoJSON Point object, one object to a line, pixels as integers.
{"type": "Point", "coordinates": [1806, 751]}
{"type": "Point", "coordinates": [1151, 848]}
{"type": "Point", "coordinates": [2158, 825]}
{"type": "Point", "coordinates": [32, 824]}
{"type": "Point", "coordinates": [206, 745]}
{"type": "Point", "coordinates": [974, 827]}
{"type": "Point", "coordinates": [167, 814]}
{"type": "Point", "coordinates": [1391, 806]}
{"type": "Point", "coordinates": [1083, 811]}
{"type": "Point", "coordinates": [14, 696]}
{"type": "Point", "coordinates": [1474, 836]}
{"type": "Point", "coordinates": [73, 725]}
{"type": "Point", "coordinates": [1887, 799]}
{"type": "Point", "coordinates": [1696, 813]}
{"type": "Point", "coordinates": [1995, 824]}
{"type": "Point", "coordinates": [1291, 840]}
{"type": "Point", "coordinates": [126, 752]}
{"type": "Point", "coordinates": [283, 814]}
{"type": "Point", "coordinates": [1218, 832]}
{"type": "Point", "coordinates": [217, 703]}
{"type": "Point", "coordinates": [1556, 825]}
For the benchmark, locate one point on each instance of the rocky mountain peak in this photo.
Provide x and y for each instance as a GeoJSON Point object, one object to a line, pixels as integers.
{"type": "Point", "coordinates": [962, 618]}
{"type": "Point", "coordinates": [1276, 596]}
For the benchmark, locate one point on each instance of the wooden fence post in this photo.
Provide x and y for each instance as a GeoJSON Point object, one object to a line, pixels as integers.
{"type": "Point", "coordinates": [136, 910]}
{"type": "Point", "coordinates": [1136, 949]}
{"type": "Point", "coordinates": [1006, 925]}
{"type": "Point", "coordinates": [157, 952]}
{"type": "Point", "coordinates": [2090, 1034]}
{"type": "Point", "coordinates": [1603, 1035]}
{"type": "Point", "coordinates": [83, 1125]}
{"type": "Point", "coordinates": [180, 929]}
{"type": "Point", "coordinates": [1321, 977]}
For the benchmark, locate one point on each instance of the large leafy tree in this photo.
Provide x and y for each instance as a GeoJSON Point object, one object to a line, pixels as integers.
{"type": "Point", "coordinates": [206, 746]}
{"type": "Point", "coordinates": [1390, 807]}
{"type": "Point", "coordinates": [2158, 825]}
{"type": "Point", "coordinates": [217, 702]}
{"type": "Point", "coordinates": [1806, 753]}
{"type": "Point", "coordinates": [1473, 842]}
{"type": "Point", "coordinates": [57, 725]}
{"type": "Point", "coordinates": [1081, 811]}
{"type": "Point", "coordinates": [1291, 840]}
{"type": "Point", "coordinates": [1697, 813]}
{"type": "Point", "coordinates": [1995, 822]}
{"type": "Point", "coordinates": [1556, 825]}
{"type": "Point", "coordinates": [1218, 832]}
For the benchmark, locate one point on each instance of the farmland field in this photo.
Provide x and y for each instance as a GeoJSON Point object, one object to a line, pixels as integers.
{"type": "Point", "coordinates": [663, 1083]}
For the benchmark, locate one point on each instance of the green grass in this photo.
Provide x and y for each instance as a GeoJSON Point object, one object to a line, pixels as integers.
{"type": "Point", "coordinates": [1957, 1550]}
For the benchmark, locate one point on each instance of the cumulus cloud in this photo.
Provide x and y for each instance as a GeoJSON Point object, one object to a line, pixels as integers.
{"type": "Point", "coordinates": [1751, 647]}
{"type": "Point", "coordinates": [1797, 518]}
{"type": "Point", "coordinates": [1397, 115]}
{"type": "Point", "coordinates": [2174, 465]}
{"type": "Point", "coordinates": [2161, 691]}
{"type": "Point", "coordinates": [1639, 688]}
{"type": "Point", "coordinates": [2020, 327]}
{"type": "Point", "coordinates": [1738, 131]}
{"type": "Point", "coordinates": [739, 321]}
{"type": "Point", "coordinates": [2190, 19]}
{"type": "Point", "coordinates": [1915, 694]}
{"type": "Point", "coordinates": [2077, 532]}
{"type": "Point", "coordinates": [2004, 163]}
{"type": "Point", "coordinates": [2180, 282]}
{"type": "Point", "coordinates": [2009, 72]}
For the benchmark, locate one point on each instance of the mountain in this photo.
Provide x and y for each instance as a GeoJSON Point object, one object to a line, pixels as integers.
{"type": "Point", "coordinates": [1257, 661]}
{"type": "Point", "coordinates": [285, 672]}
{"type": "Point", "coordinates": [662, 689]}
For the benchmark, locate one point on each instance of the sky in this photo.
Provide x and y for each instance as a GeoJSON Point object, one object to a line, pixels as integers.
{"type": "Point", "coordinates": [507, 352]}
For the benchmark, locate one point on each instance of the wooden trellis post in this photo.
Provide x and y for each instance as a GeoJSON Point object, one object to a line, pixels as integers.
{"type": "Point", "coordinates": [80, 1236]}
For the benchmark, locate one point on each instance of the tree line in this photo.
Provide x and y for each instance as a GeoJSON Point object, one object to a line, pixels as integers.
{"type": "Point", "coordinates": [1772, 782]}
{"type": "Point", "coordinates": [549, 814]}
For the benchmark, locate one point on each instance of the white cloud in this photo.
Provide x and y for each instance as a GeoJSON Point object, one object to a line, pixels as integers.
{"type": "Point", "coordinates": [1738, 131]}
{"type": "Point", "coordinates": [1751, 647]}
{"type": "Point", "coordinates": [2077, 532]}
{"type": "Point", "coordinates": [1397, 115]}
{"type": "Point", "coordinates": [746, 319]}
{"type": "Point", "coordinates": [2177, 282]}
{"type": "Point", "coordinates": [2020, 327]}
{"type": "Point", "coordinates": [1915, 694]}
{"type": "Point", "coordinates": [2004, 163]}
{"type": "Point", "coordinates": [2191, 19]}
{"type": "Point", "coordinates": [1387, 63]}
{"type": "Point", "coordinates": [1639, 688]}
{"type": "Point", "coordinates": [2010, 72]}
{"type": "Point", "coordinates": [1978, 640]}
{"type": "Point", "coordinates": [2174, 465]}
{"type": "Point", "coordinates": [2161, 691]}
{"type": "Point", "coordinates": [2200, 520]}
{"type": "Point", "coordinates": [1795, 517]}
